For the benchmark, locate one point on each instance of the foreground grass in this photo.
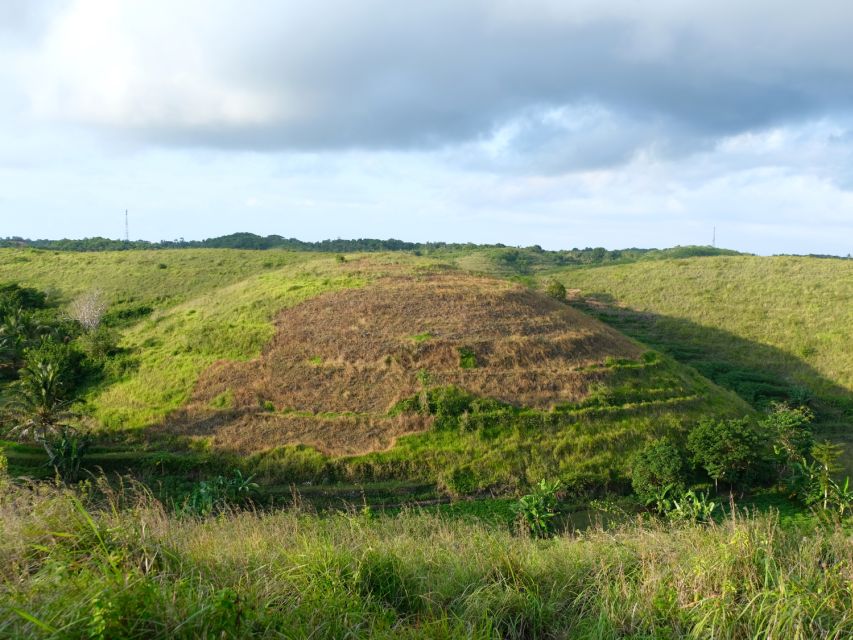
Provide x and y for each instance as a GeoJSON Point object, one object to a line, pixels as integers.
{"type": "Point", "coordinates": [72, 565]}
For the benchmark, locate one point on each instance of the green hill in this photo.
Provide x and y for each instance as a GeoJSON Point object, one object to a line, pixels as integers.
{"type": "Point", "coordinates": [475, 383]}
{"type": "Point", "coordinates": [768, 328]}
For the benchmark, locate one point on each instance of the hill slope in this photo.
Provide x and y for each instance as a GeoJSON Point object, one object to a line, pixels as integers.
{"type": "Point", "coordinates": [360, 352]}
{"type": "Point", "coordinates": [768, 328]}
{"type": "Point", "coordinates": [372, 367]}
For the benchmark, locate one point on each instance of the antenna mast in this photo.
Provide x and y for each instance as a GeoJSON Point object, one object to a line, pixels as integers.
{"type": "Point", "coordinates": [714, 238]}
{"type": "Point", "coordinates": [126, 228]}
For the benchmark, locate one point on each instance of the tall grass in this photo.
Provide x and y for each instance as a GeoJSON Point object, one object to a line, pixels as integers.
{"type": "Point", "coordinates": [118, 565]}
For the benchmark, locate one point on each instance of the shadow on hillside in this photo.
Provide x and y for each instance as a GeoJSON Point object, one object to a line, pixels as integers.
{"type": "Point", "coordinates": [730, 361]}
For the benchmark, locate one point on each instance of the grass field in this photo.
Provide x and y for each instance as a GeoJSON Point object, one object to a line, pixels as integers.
{"type": "Point", "coordinates": [138, 282]}
{"type": "Point", "coordinates": [352, 387]}
{"type": "Point", "coordinates": [113, 565]}
{"type": "Point", "coordinates": [768, 328]}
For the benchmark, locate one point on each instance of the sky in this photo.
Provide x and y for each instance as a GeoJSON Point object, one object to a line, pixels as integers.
{"type": "Point", "coordinates": [616, 123]}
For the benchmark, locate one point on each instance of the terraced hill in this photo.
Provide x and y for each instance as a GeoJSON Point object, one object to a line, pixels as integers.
{"type": "Point", "coordinates": [340, 362]}
{"type": "Point", "coordinates": [373, 367]}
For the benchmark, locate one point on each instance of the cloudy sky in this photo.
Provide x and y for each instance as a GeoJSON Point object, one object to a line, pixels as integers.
{"type": "Point", "coordinates": [591, 122]}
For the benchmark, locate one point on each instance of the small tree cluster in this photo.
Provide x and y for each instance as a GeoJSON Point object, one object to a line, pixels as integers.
{"type": "Point", "coordinates": [740, 454]}
{"type": "Point", "coordinates": [731, 451]}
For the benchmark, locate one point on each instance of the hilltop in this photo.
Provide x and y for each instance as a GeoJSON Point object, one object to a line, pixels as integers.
{"type": "Point", "coordinates": [358, 353]}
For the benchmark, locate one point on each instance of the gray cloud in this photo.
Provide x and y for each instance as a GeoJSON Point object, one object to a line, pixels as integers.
{"type": "Point", "coordinates": [663, 76]}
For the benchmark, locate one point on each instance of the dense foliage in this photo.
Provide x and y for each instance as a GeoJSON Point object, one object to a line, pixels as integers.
{"type": "Point", "coordinates": [657, 467]}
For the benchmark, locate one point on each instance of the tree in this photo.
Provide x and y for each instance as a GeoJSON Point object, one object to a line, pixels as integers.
{"type": "Point", "coordinates": [733, 451]}
{"type": "Point", "coordinates": [656, 467]}
{"type": "Point", "coordinates": [17, 331]}
{"type": "Point", "coordinates": [790, 432]}
{"type": "Point", "coordinates": [39, 407]}
{"type": "Point", "coordinates": [88, 310]}
{"type": "Point", "coordinates": [39, 401]}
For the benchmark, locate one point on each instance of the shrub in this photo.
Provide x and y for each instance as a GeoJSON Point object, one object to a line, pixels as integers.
{"type": "Point", "coordinates": [555, 289]}
{"type": "Point", "coordinates": [467, 358]}
{"type": "Point", "coordinates": [99, 344]}
{"type": "Point", "coordinates": [536, 510]}
{"type": "Point", "coordinates": [218, 493]}
{"type": "Point", "coordinates": [65, 450]}
{"type": "Point", "coordinates": [656, 466]}
{"type": "Point", "coordinates": [459, 481]}
{"type": "Point", "coordinates": [733, 451]}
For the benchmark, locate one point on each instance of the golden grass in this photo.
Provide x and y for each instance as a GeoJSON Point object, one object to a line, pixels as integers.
{"type": "Point", "coordinates": [361, 351]}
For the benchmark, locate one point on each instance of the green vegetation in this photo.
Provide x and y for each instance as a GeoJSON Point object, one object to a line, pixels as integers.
{"type": "Point", "coordinates": [732, 451]}
{"type": "Point", "coordinates": [768, 328]}
{"type": "Point", "coordinates": [537, 510]}
{"type": "Point", "coordinates": [184, 368]}
{"type": "Point", "coordinates": [556, 290]}
{"type": "Point", "coordinates": [103, 564]}
{"type": "Point", "coordinates": [656, 468]}
{"type": "Point", "coordinates": [133, 282]}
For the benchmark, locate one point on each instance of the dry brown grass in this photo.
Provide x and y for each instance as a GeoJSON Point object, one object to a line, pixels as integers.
{"type": "Point", "coordinates": [356, 353]}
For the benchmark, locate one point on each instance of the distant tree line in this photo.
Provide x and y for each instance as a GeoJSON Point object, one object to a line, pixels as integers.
{"type": "Point", "coordinates": [517, 257]}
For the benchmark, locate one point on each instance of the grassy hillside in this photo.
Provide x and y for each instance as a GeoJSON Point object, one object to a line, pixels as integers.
{"type": "Point", "coordinates": [496, 384]}
{"type": "Point", "coordinates": [476, 383]}
{"type": "Point", "coordinates": [769, 328]}
{"type": "Point", "coordinates": [138, 282]}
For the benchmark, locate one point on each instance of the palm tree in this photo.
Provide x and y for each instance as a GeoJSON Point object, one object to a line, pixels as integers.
{"type": "Point", "coordinates": [39, 409]}
{"type": "Point", "coordinates": [38, 404]}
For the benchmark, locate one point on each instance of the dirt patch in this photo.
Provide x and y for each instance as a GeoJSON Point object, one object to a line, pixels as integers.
{"type": "Point", "coordinates": [340, 361]}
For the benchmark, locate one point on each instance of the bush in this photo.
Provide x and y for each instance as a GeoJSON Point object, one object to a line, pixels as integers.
{"type": "Point", "coordinates": [65, 450]}
{"type": "Point", "coordinates": [536, 510]}
{"type": "Point", "coordinates": [733, 451]}
{"type": "Point", "coordinates": [459, 481]}
{"type": "Point", "coordinates": [556, 290]}
{"type": "Point", "coordinates": [467, 358]}
{"type": "Point", "coordinates": [655, 467]}
{"type": "Point", "coordinates": [99, 344]}
{"type": "Point", "coordinates": [218, 493]}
